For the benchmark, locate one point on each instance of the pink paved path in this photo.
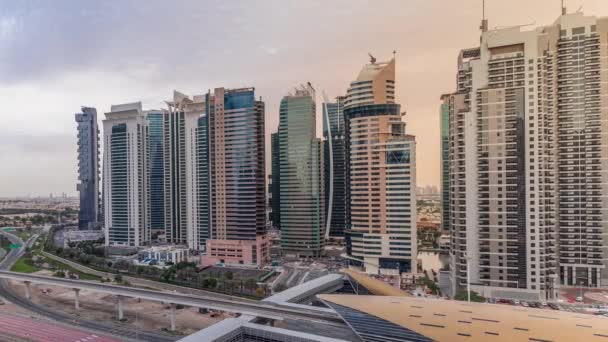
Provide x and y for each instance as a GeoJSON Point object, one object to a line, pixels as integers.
{"type": "Point", "coordinates": [40, 331]}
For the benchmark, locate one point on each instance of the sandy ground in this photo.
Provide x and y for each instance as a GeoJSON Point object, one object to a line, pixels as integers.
{"type": "Point", "coordinates": [95, 306]}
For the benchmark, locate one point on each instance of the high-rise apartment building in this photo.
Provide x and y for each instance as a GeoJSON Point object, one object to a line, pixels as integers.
{"type": "Point", "coordinates": [302, 200]}
{"type": "Point", "coordinates": [89, 215]}
{"type": "Point", "coordinates": [125, 176]}
{"type": "Point", "coordinates": [180, 131]}
{"type": "Point", "coordinates": [381, 175]}
{"type": "Point", "coordinates": [236, 151]}
{"type": "Point", "coordinates": [335, 167]}
{"type": "Point", "coordinates": [526, 160]}
{"type": "Point", "coordinates": [445, 164]}
{"type": "Point", "coordinates": [194, 171]}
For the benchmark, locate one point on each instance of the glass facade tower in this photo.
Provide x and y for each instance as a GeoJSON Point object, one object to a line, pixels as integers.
{"type": "Point", "coordinates": [156, 174]}
{"type": "Point", "coordinates": [89, 214]}
{"type": "Point", "coordinates": [335, 168]}
{"type": "Point", "coordinates": [301, 176]}
{"type": "Point", "coordinates": [276, 182]}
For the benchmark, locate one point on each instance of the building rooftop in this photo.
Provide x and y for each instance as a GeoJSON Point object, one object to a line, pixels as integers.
{"type": "Point", "coordinates": [445, 320]}
{"type": "Point", "coordinates": [374, 286]}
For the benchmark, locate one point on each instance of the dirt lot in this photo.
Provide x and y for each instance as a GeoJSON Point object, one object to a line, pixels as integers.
{"type": "Point", "coordinates": [140, 314]}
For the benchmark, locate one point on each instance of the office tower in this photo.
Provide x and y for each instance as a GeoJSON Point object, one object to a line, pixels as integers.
{"type": "Point", "coordinates": [301, 175]}
{"type": "Point", "coordinates": [526, 173]}
{"type": "Point", "coordinates": [235, 128]}
{"type": "Point", "coordinates": [381, 174]}
{"type": "Point", "coordinates": [275, 153]}
{"type": "Point", "coordinates": [124, 176]}
{"type": "Point", "coordinates": [89, 215]}
{"type": "Point", "coordinates": [444, 122]}
{"type": "Point", "coordinates": [335, 168]}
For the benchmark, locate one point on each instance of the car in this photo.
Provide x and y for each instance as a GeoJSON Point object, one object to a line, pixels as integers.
{"type": "Point", "coordinates": [516, 302]}
{"type": "Point", "coordinates": [525, 304]}
{"type": "Point", "coordinates": [579, 299]}
{"type": "Point", "coordinates": [553, 306]}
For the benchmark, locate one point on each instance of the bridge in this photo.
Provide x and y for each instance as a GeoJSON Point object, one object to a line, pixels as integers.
{"type": "Point", "coordinates": [267, 310]}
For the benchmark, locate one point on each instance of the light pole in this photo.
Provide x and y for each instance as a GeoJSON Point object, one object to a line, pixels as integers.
{"type": "Point", "coordinates": [468, 258]}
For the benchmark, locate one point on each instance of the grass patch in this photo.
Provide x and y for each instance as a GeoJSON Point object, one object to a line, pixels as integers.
{"type": "Point", "coordinates": [24, 265]}
{"type": "Point", "coordinates": [61, 266]}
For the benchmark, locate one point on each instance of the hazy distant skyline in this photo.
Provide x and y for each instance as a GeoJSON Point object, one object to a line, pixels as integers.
{"type": "Point", "coordinates": [56, 56]}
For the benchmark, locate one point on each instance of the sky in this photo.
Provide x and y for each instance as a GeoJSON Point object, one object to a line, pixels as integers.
{"type": "Point", "coordinates": [56, 56]}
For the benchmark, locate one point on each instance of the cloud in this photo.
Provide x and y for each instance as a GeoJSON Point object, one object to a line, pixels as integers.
{"type": "Point", "coordinates": [58, 55]}
{"type": "Point", "coordinates": [8, 27]}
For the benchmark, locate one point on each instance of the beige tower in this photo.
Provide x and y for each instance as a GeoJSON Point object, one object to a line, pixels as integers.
{"type": "Point", "coordinates": [381, 174]}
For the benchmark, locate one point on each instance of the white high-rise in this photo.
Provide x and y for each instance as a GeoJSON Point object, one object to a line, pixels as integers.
{"type": "Point", "coordinates": [124, 176]}
{"type": "Point", "coordinates": [528, 159]}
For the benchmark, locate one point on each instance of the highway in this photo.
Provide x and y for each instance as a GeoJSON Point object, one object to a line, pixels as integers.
{"type": "Point", "coordinates": [258, 309]}
{"type": "Point", "coordinates": [108, 328]}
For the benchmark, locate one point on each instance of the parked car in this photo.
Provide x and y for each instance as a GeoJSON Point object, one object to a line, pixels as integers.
{"type": "Point", "coordinates": [579, 299]}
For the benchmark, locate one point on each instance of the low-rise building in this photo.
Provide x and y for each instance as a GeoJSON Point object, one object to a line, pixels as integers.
{"type": "Point", "coordinates": [76, 236]}
{"type": "Point", "coordinates": [237, 252]}
{"type": "Point", "coordinates": [163, 255]}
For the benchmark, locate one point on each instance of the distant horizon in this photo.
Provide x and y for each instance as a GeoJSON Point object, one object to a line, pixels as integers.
{"type": "Point", "coordinates": [114, 55]}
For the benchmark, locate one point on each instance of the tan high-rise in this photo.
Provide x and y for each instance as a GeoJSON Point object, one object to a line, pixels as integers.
{"type": "Point", "coordinates": [527, 161]}
{"type": "Point", "coordinates": [381, 159]}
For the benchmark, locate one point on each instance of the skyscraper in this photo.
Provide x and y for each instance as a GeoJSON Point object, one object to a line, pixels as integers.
{"type": "Point", "coordinates": [301, 175]}
{"type": "Point", "coordinates": [124, 176]}
{"type": "Point", "coordinates": [89, 215]}
{"type": "Point", "coordinates": [155, 155]}
{"type": "Point", "coordinates": [335, 168]}
{"type": "Point", "coordinates": [180, 126]}
{"type": "Point", "coordinates": [525, 161]}
{"type": "Point", "coordinates": [445, 164]}
{"type": "Point", "coordinates": [237, 225]}
{"type": "Point", "coordinates": [275, 153]}
{"type": "Point", "coordinates": [381, 174]}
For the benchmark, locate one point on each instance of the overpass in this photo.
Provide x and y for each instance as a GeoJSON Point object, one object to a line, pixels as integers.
{"type": "Point", "coordinates": [267, 310]}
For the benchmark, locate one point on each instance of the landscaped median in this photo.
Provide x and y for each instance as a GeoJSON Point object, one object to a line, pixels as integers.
{"type": "Point", "coordinates": [35, 259]}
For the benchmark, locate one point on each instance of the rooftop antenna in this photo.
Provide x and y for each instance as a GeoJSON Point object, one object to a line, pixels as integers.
{"type": "Point", "coordinates": [372, 58]}
{"type": "Point", "coordinates": [484, 22]}
{"type": "Point", "coordinates": [563, 8]}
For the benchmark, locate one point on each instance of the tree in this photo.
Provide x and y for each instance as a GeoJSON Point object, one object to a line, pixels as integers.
{"type": "Point", "coordinates": [185, 274]}
{"type": "Point", "coordinates": [121, 264]}
{"type": "Point", "coordinates": [229, 275]}
{"type": "Point", "coordinates": [59, 274]}
{"type": "Point", "coordinates": [475, 297]}
{"type": "Point", "coordinates": [118, 278]}
{"type": "Point", "coordinates": [260, 292]}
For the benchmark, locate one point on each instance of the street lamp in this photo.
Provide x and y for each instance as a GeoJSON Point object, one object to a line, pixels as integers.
{"type": "Point", "coordinates": [468, 258]}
